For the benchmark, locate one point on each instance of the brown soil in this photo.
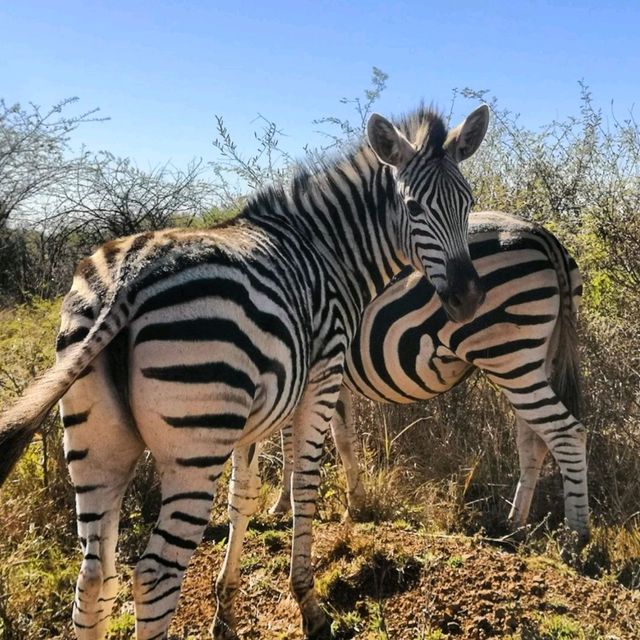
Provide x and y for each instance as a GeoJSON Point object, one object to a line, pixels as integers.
{"type": "Point", "coordinates": [385, 582]}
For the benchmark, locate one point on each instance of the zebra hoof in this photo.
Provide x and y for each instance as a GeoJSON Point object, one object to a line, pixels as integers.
{"type": "Point", "coordinates": [572, 542]}
{"type": "Point", "coordinates": [222, 630]}
{"type": "Point", "coordinates": [321, 632]}
{"type": "Point", "coordinates": [358, 513]}
{"type": "Point", "coordinates": [517, 533]}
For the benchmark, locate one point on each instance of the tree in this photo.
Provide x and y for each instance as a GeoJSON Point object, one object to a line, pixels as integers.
{"type": "Point", "coordinates": [108, 197]}
{"type": "Point", "coordinates": [56, 205]}
{"type": "Point", "coordinates": [34, 152]}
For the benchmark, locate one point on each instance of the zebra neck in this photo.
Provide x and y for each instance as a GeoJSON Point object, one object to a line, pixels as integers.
{"type": "Point", "coordinates": [346, 216]}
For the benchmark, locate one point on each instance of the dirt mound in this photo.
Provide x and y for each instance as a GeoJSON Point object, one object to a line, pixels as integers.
{"type": "Point", "coordinates": [386, 582]}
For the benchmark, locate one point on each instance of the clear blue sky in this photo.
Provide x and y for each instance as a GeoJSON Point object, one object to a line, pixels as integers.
{"type": "Point", "coordinates": [161, 70]}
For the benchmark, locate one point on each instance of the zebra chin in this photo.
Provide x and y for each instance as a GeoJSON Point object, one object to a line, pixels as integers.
{"type": "Point", "coordinates": [462, 294]}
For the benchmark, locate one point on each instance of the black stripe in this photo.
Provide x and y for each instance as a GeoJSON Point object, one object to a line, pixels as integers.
{"type": "Point", "coordinates": [558, 417]}
{"type": "Point", "coordinates": [66, 339]}
{"type": "Point", "coordinates": [87, 488]}
{"type": "Point", "coordinates": [313, 459]}
{"type": "Point", "coordinates": [505, 348]}
{"type": "Point", "coordinates": [174, 540]}
{"type": "Point", "coordinates": [408, 344]}
{"type": "Point", "coordinates": [481, 248]}
{"type": "Point", "coordinates": [202, 461]}
{"type": "Point", "coordinates": [163, 595]}
{"type": "Point", "coordinates": [223, 330]}
{"type": "Point", "coordinates": [85, 372]}
{"type": "Point", "coordinates": [225, 288]}
{"type": "Point", "coordinates": [529, 406]}
{"type": "Point", "coordinates": [187, 517]}
{"type": "Point", "coordinates": [205, 373]}
{"type": "Point", "coordinates": [76, 454]}
{"type": "Point", "coordinates": [85, 626]}
{"type": "Point", "coordinates": [156, 618]}
{"type": "Point", "coordinates": [501, 314]}
{"type": "Point", "coordinates": [207, 421]}
{"type": "Point", "coordinates": [90, 516]}
{"type": "Point", "coordinates": [160, 560]}
{"type": "Point", "coordinates": [189, 495]}
{"type": "Point", "coordinates": [156, 581]}
{"type": "Point", "coordinates": [73, 419]}
{"type": "Point", "coordinates": [518, 371]}
{"type": "Point", "coordinates": [528, 389]}
{"type": "Point", "coordinates": [75, 304]}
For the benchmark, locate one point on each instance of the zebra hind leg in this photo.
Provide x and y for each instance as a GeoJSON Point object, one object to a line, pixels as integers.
{"type": "Point", "coordinates": [101, 449]}
{"type": "Point", "coordinates": [346, 439]}
{"type": "Point", "coordinates": [531, 452]}
{"type": "Point", "coordinates": [565, 437]}
{"type": "Point", "coordinates": [283, 503]}
{"type": "Point", "coordinates": [188, 486]}
{"type": "Point", "coordinates": [244, 487]}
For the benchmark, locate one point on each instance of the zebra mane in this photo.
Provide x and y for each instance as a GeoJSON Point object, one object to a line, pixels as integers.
{"type": "Point", "coordinates": [424, 127]}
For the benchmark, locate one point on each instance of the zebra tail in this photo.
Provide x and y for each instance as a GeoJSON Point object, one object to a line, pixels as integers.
{"type": "Point", "coordinates": [566, 377]}
{"type": "Point", "coordinates": [19, 423]}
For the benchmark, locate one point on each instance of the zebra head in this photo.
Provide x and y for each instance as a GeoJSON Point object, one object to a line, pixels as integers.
{"type": "Point", "coordinates": [434, 200]}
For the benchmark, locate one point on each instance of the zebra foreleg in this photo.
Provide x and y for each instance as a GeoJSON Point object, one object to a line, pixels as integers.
{"type": "Point", "coordinates": [244, 487]}
{"type": "Point", "coordinates": [531, 452]}
{"type": "Point", "coordinates": [311, 423]}
{"type": "Point", "coordinates": [346, 439]}
{"type": "Point", "coordinates": [283, 503]}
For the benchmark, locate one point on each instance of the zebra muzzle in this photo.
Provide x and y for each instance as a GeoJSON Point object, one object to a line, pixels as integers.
{"type": "Point", "coordinates": [463, 293]}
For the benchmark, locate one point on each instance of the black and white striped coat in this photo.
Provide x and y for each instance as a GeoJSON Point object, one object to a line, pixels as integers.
{"type": "Point", "coordinates": [228, 334]}
{"type": "Point", "coordinates": [523, 338]}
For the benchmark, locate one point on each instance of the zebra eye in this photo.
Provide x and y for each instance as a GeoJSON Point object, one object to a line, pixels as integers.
{"type": "Point", "coordinates": [414, 208]}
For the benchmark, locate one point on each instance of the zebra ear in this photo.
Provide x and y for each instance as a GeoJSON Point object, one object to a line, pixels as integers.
{"type": "Point", "coordinates": [388, 143]}
{"type": "Point", "coordinates": [463, 141]}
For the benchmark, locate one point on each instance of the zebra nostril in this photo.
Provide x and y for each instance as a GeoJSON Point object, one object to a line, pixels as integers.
{"type": "Point", "coordinates": [454, 300]}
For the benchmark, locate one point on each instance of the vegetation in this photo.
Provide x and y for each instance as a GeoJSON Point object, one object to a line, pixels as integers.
{"type": "Point", "coordinates": [445, 467]}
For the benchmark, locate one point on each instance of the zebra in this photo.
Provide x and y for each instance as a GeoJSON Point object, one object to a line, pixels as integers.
{"type": "Point", "coordinates": [228, 334]}
{"type": "Point", "coordinates": [523, 339]}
